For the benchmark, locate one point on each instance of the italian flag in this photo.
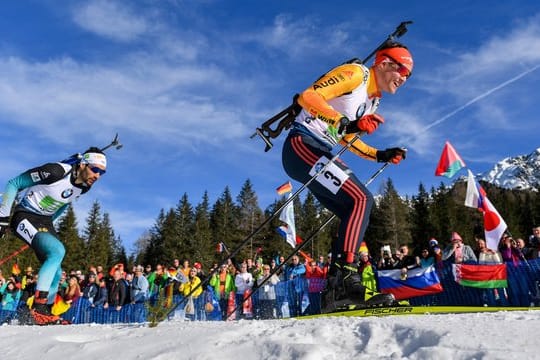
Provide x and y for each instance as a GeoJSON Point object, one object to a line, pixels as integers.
{"type": "Point", "coordinates": [481, 276]}
{"type": "Point", "coordinates": [450, 162]}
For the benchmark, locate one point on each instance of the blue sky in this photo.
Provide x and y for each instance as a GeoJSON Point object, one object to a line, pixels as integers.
{"type": "Point", "coordinates": [185, 83]}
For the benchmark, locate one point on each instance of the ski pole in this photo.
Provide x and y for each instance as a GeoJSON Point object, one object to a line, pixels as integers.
{"type": "Point", "coordinates": [277, 268]}
{"type": "Point", "coordinates": [17, 252]}
{"type": "Point", "coordinates": [304, 243]}
{"type": "Point", "coordinates": [265, 222]}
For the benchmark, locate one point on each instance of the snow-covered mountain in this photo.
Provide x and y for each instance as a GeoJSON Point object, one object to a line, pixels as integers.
{"type": "Point", "coordinates": [519, 173]}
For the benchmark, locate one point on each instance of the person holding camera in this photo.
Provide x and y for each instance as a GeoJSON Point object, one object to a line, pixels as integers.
{"type": "Point", "coordinates": [458, 252]}
{"type": "Point", "coordinates": [534, 243]}
{"type": "Point", "coordinates": [509, 250]}
{"type": "Point", "coordinates": [405, 261]}
{"type": "Point", "coordinates": [386, 261]}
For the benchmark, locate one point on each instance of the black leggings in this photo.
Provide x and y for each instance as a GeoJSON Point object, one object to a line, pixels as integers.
{"type": "Point", "coordinates": [351, 203]}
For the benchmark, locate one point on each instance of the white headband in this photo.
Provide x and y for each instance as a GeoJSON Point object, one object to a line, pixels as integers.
{"type": "Point", "coordinates": [95, 159]}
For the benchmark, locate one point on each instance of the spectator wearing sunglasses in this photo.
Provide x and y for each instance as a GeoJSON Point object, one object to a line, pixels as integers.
{"type": "Point", "coordinates": [47, 191]}
{"type": "Point", "coordinates": [338, 106]}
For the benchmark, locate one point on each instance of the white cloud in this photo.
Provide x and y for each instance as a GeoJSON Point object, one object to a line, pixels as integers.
{"type": "Point", "coordinates": [498, 59]}
{"type": "Point", "coordinates": [171, 102]}
{"type": "Point", "coordinates": [110, 19]}
{"type": "Point", "coordinates": [477, 89]}
{"type": "Point", "coordinates": [300, 36]}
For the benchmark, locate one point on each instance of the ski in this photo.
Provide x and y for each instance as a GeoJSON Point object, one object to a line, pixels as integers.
{"type": "Point", "coordinates": [417, 310]}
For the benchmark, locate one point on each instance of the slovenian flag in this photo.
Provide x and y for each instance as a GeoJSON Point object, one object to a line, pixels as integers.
{"type": "Point", "coordinates": [288, 230]}
{"type": "Point", "coordinates": [285, 188]}
{"type": "Point", "coordinates": [419, 282]}
{"type": "Point", "coordinates": [221, 247]}
{"type": "Point", "coordinates": [481, 276]}
{"type": "Point", "coordinates": [494, 225]}
{"type": "Point", "coordinates": [450, 162]}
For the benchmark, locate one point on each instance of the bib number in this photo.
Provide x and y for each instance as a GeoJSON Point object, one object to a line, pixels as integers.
{"type": "Point", "coordinates": [332, 178]}
{"type": "Point", "coordinates": [27, 231]}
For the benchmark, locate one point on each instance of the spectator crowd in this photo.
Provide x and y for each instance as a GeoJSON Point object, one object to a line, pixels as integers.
{"type": "Point", "coordinates": [250, 288]}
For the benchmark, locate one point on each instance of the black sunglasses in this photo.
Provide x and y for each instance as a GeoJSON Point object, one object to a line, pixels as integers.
{"type": "Point", "coordinates": [97, 170]}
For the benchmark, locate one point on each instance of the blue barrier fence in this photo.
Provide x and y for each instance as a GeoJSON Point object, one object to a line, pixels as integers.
{"type": "Point", "coordinates": [302, 296]}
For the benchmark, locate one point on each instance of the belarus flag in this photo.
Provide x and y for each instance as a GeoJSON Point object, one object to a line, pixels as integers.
{"type": "Point", "coordinates": [481, 276]}
{"type": "Point", "coordinates": [419, 282]}
{"type": "Point", "coordinates": [494, 225]}
{"type": "Point", "coordinates": [450, 162]}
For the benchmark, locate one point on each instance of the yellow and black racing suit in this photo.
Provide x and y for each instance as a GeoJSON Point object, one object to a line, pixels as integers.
{"type": "Point", "coordinates": [350, 91]}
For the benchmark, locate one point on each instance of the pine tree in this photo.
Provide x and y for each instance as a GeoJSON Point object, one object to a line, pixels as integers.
{"type": "Point", "coordinates": [249, 215]}
{"type": "Point", "coordinates": [224, 221]}
{"type": "Point", "coordinates": [202, 234]}
{"type": "Point", "coordinates": [97, 240]}
{"type": "Point", "coordinates": [421, 227]}
{"type": "Point", "coordinates": [395, 215]}
{"type": "Point", "coordinates": [115, 252]}
{"type": "Point", "coordinates": [74, 244]}
{"type": "Point", "coordinates": [308, 221]}
{"type": "Point", "coordinates": [169, 236]}
{"type": "Point", "coordinates": [439, 212]}
{"type": "Point", "coordinates": [154, 251]}
{"type": "Point", "coordinates": [182, 245]}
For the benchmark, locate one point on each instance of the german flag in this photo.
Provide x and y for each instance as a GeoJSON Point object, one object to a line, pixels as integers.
{"type": "Point", "coordinates": [285, 188]}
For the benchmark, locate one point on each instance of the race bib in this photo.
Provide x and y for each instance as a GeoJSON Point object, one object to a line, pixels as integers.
{"type": "Point", "coordinates": [332, 178]}
{"type": "Point", "coordinates": [26, 230]}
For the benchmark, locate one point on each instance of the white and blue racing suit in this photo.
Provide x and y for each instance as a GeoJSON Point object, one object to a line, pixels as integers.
{"type": "Point", "coordinates": [46, 192]}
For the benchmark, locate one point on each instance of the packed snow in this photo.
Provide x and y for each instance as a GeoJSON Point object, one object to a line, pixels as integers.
{"type": "Point", "coordinates": [502, 335]}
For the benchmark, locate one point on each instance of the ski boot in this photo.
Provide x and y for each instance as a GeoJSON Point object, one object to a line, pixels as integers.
{"type": "Point", "coordinates": [344, 290]}
{"type": "Point", "coordinates": [41, 312]}
{"type": "Point", "coordinates": [381, 300]}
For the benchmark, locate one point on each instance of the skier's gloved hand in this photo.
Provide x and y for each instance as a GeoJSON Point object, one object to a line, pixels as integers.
{"type": "Point", "coordinates": [343, 125]}
{"type": "Point", "coordinates": [4, 225]}
{"type": "Point", "coordinates": [369, 123]}
{"type": "Point", "coordinates": [393, 155]}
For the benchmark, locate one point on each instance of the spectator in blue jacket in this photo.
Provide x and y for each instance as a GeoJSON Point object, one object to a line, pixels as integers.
{"type": "Point", "coordinates": [139, 286]}
{"type": "Point", "coordinates": [295, 274]}
{"type": "Point", "coordinates": [267, 294]}
{"type": "Point", "coordinates": [10, 295]}
{"type": "Point", "coordinates": [102, 296]}
{"type": "Point", "coordinates": [91, 289]}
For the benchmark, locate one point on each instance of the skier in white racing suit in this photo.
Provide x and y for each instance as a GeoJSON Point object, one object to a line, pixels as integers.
{"type": "Point", "coordinates": [48, 190]}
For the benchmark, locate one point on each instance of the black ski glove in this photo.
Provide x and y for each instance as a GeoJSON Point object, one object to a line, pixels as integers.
{"type": "Point", "coordinates": [343, 125]}
{"type": "Point", "coordinates": [393, 155]}
{"type": "Point", "coordinates": [4, 225]}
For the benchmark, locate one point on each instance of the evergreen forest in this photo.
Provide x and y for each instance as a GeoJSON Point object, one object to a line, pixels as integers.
{"type": "Point", "coordinates": [193, 230]}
